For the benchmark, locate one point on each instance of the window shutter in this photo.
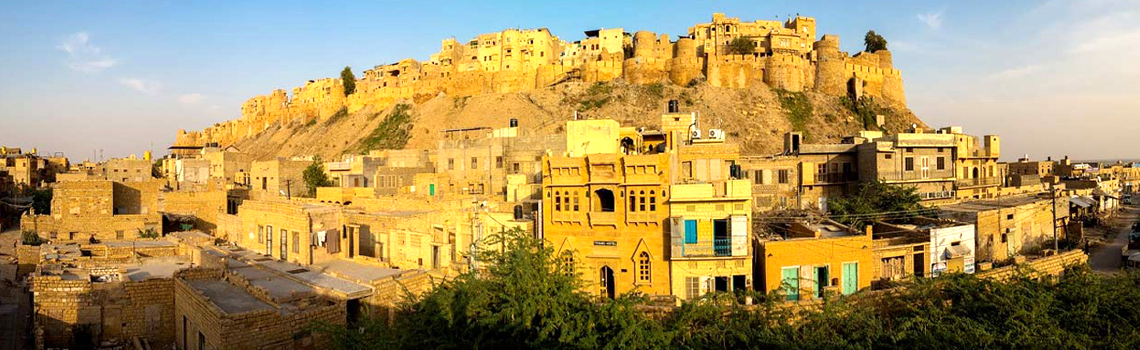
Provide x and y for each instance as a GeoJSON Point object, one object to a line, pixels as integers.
{"type": "Point", "coordinates": [739, 232]}
{"type": "Point", "coordinates": [676, 229]}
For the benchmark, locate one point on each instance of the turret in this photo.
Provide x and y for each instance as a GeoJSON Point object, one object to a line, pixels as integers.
{"type": "Point", "coordinates": [829, 77]}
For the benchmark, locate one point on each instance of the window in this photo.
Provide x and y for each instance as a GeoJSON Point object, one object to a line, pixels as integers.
{"type": "Point", "coordinates": [641, 201]}
{"type": "Point", "coordinates": [575, 201]}
{"type": "Point", "coordinates": [690, 231]}
{"type": "Point", "coordinates": [692, 287]}
{"type": "Point", "coordinates": [782, 176]}
{"type": "Point", "coordinates": [450, 164]}
{"type": "Point", "coordinates": [643, 268]}
{"type": "Point", "coordinates": [821, 169]}
{"type": "Point", "coordinates": [652, 201]}
{"type": "Point", "coordinates": [498, 162]}
{"type": "Point", "coordinates": [886, 156]}
{"type": "Point", "coordinates": [759, 177]}
{"type": "Point", "coordinates": [516, 167]}
{"type": "Point", "coordinates": [941, 163]}
{"type": "Point", "coordinates": [1009, 216]}
{"type": "Point", "coordinates": [474, 163]}
{"type": "Point", "coordinates": [908, 164]}
{"type": "Point", "coordinates": [296, 242]}
{"type": "Point", "coordinates": [557, 201]}
{"type": "Point", "coordinates": [260, 234]}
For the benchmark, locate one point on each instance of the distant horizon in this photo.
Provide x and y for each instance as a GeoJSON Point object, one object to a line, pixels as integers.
{"type": "Point", "coordinates": [124, 77]}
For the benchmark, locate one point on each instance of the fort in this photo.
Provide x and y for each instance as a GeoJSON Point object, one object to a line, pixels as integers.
{"type": "Point", "coordinates": [786, 55]}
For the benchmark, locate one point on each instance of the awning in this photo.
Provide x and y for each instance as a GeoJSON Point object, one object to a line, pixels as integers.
{"type": "Point", "coordinates": [1102, 193]}
{"type": "Point", "coordinates": [1082, 201]}
{"type": "Point", "coordinates": [957, 251]}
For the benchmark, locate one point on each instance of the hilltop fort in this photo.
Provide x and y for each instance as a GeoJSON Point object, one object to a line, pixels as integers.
{"type": "Point", "coordinates": [785, 56]}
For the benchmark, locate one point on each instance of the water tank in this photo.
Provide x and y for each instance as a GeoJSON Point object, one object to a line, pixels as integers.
{"type": "Point", "coordinates": [674, 106]}
{"type": "Point", "coordinates": [514, 122]}
{"type": "Point", "coordinates": [518, 212]}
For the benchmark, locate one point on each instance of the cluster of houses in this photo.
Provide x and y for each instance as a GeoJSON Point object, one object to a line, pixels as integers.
{"type": "Point", "coordinates": [217, 237]}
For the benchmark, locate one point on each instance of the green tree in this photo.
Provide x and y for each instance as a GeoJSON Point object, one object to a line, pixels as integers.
{"type": "Point", "coordinates": [315, 176]}
{"type": "Point", "coordinates": [876, 200]}
{"type": "Point", "coordinates": [31, 238]}
{"type": "Point", "coordinates": [874, 41]}
{"type": "Point", "coordinates": [741, 46]}
{"type": "Point", "coordinates": [41, 200]}
{"type": "Point", "coordinates": [349, 80]}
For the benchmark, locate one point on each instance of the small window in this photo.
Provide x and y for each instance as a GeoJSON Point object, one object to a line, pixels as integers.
{"type": "Point", "coordinates": [450, 164]}
{"type": "Point", "coordinates": [941, 163]}
{"type": "Point", "coordinates": [782, 176]}
{"type": "Point", "coordinates": [643, 268]}
{"type": "Point", "coordinates": [908, 164]}
{"type": "Point", "coordinates": [498, 162]}
{"type": "Point", "coordinates": [886, 156]}
{"type": "Point", "coordinates": [474, 163]}
{"type": "Point", "coordinates": [1009, 217]}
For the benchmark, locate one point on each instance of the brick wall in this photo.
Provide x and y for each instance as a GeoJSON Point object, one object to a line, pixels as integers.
{"type": "Point", "coordinates": [1048, 266]}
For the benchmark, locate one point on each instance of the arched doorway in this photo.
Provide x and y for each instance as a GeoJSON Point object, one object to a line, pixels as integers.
{"type": "Point", "coordinates": [607, 282]}
{"type": "Point", "coordinates": [605, 200]}
{"type": "Point", "coordinates": [976, 173]}
{"type": "Point", "coordinates": [627, 146]}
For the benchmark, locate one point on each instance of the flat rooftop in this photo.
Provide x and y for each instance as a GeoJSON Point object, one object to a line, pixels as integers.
{"type": "Point", "coordinates": [991, 204]}
{"type": "Point", "coordinates": [278, 287]}
{"type": "Point", "coordinates": [163, 267]}
{"type": "Point", "coordinates": [356, 271]}
{"type": "Point", "coordinates": [228, 297]}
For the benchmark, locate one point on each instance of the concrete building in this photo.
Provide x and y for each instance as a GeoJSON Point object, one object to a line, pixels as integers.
{"type": "Point", "coordinates": [775, 181]}
{"type": "Point", "coordinates": [100, 210]}
{"type": "Point", "coordinates": [812, 260]}
{"type": "Point", "coordinates": [921, 160]}
{"type": "Point", "coordinates": [1012, 226]}
{"type": "Point", "coordinates": [976, 165]}
{"type": "Point", "coordinates": [280, 177]}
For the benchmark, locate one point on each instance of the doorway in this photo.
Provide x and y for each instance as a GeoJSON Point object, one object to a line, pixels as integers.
{"type": "Point", "coordinates": [607, 282]}
{"type": "Point", "coordinates": [822, 277]}
{"type": "Point", "coordinates": [720, 283]}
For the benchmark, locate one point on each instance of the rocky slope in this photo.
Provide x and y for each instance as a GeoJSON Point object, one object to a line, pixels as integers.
{"type": "Point", "coordinates": [756, 117]}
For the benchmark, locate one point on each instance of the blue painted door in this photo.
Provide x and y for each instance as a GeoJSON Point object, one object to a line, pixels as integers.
{"type": "Point", "coordinates": [690, 231]}
{"type": "Point", "coordinates": [850, 278]}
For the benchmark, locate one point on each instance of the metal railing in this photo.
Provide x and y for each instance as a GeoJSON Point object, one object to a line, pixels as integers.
{"type": "Point", "coordinates": [916, 175]}
{"type": "Point", "coordinates": [717, 247]}
{"type": "Point", "coordinates": [978, 182]}
{"type": "Point", "coordinates": [936, 195]}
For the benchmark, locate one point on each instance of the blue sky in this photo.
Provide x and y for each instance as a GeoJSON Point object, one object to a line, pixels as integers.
{"type": "Point", "coordinates": [1052, 78]}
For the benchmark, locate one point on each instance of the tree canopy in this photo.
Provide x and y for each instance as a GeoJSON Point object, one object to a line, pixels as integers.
{"type": "Point", "coordinates": [874, 41]}
{"type": "Point", "coordinates": [315, 176]}
{"type": "Point", "coordinates": [875, 200]}
{"type": "Point", "coordinates": [524, 295]}
{"type": "Point", "coordinates": [741, 46]}
{"type": "Point", "coordinates": [349, 80]}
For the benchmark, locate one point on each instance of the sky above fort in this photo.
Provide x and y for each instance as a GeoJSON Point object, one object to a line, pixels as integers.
{"type": "Point", "coordinates": [1052, 78]}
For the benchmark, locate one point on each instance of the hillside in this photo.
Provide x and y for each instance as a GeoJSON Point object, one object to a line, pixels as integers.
{"type": "Point", "coordinates": [756, 117]}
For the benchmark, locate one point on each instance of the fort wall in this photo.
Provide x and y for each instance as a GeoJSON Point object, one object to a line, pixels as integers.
{"type": "Point", "coordinates": [787, 56]}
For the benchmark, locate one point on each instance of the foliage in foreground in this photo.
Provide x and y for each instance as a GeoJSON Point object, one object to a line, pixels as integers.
{"type": "Point", "coordinates": [525, 298]}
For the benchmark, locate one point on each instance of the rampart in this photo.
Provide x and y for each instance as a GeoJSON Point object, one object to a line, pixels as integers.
{"type": "Point", "coordinates": [784, 56]}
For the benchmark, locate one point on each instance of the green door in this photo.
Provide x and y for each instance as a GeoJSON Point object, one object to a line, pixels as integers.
{"type": "Point", "coordinates": [822, 278]}
{"type": "Point", "coordinates": [850, 277]}
{"type": "Point", "coordinates": [791, 282]}
{"type": "Point", "coordinates": [431, 189]}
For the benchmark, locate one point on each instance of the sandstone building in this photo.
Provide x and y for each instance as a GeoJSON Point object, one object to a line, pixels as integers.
{"type": "Point", "coordinates": [788, 55]}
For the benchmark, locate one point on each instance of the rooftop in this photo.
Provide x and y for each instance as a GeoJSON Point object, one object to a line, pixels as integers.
{"type": "Point", "coordinates": [228, 297]}
{"type": "Point", "coordinates": [991, 204]}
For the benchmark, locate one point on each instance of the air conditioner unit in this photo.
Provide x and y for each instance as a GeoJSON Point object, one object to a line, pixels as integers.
{"type": "Point", "coordinates": [716, 134]}
{"type": "Point", "coordinates": [696, 134]}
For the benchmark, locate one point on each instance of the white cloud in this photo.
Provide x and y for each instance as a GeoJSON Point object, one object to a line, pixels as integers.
{"type": "Point", "coordinates": [932, 20]}
{"type": "Point", "coordinates": [192, 98]}
{"type": "Point", "coordinates": [143, 86]}
{"type": "Point", "coordinates": [1017, 72]}
{"type": "Point", "coordinates": [92, 66]}
{"type": "Point", "coordinates": [82, 56]}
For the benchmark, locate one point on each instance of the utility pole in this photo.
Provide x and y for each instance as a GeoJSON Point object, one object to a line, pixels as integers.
{"type": "Point", "coordinates": [1053, 194]}
{"type": "Point", "coordinates": [289, 195]}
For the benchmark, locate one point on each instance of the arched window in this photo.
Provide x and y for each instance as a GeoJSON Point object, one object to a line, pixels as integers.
{"type": "Point", "coordinates": [641, 200]}
{"type": "Point", "coordinates": [557, 201]}
{"type": "Point", "coordinates": [652, 201]}
{"type": "Point", "coordinates": [575, 200]}
{"type": "Point", "coordinates": [643, 268]}
{"type": "Point", "coordinates": [632, 201]}
{"type": "Point", "coordinates": [605, 200]}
